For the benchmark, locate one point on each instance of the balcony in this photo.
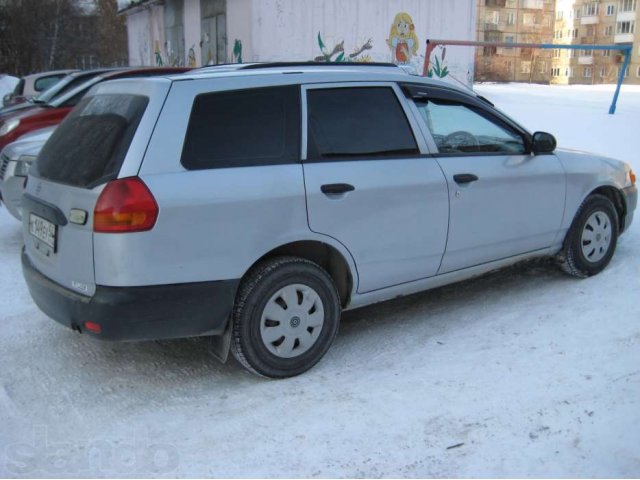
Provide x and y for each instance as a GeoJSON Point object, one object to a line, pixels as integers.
{"type": "Point", "coordinates": [626, 16]}
{"type": "Point", "coordinates": [590, 20]}
{"type": "Point", "coordinates": [491, 27]}
{"type": "Point", "coordinates": [585, 60]}
{"type": "Point", "coordinates": [537, 4]}
{"type": "Point", "coordinates": [623, 38]}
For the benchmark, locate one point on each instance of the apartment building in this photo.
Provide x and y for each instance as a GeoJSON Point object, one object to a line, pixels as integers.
{"type": "Point", "coordinates": [514, 21]}
{"type": "Point", "coordinates": [595, 22]}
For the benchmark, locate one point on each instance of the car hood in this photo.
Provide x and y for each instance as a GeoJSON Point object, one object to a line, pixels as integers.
{"type": "Point", "coordinates": [588, 157]}
{"type": "Point", "coordinates": [605, 169]}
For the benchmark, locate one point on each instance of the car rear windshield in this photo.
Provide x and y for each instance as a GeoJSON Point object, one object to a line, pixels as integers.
{"type": "Point", "coordinates": [88, 147]}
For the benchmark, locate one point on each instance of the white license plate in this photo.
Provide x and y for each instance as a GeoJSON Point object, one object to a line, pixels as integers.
{"type": "Point", "coordinates": [43, 230]}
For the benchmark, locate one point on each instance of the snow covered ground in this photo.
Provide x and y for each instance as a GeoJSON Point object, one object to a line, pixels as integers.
{"type": "Point", "coordinates": [529, 372]}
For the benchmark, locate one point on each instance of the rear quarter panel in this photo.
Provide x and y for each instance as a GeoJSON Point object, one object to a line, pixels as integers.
{"type": "Point", "coordinates": [212, 224]}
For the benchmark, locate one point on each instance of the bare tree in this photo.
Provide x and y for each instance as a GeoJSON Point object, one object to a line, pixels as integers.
{"type": "Point", "coordinates": [42, 35]}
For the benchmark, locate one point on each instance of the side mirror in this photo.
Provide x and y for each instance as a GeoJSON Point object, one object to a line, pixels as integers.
{"type": "Point", "coordinates": [543, 142]}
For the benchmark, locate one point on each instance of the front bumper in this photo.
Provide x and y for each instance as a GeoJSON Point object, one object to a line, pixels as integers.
{"type": "Point", "coordinates": [631, 201]}
{"type": "Point", "coordinates": [137, 313]}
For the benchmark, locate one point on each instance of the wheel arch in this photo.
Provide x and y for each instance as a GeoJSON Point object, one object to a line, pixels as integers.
{"type": "Point", "coordinates": [323, 254]}
{"type": "Point", "coordinates": [617, 198]}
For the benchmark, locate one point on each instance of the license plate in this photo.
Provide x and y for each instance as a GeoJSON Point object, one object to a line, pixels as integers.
{"type": "Point", "coordinates": [43, 230]}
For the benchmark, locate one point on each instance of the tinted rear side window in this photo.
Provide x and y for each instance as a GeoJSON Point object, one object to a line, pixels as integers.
{"type": "Point", "coordinates": [243, 128]}
{"type": "Point", "coordinates": [88, 147]}
{"type": "Point", "coordinates": [365, 122]}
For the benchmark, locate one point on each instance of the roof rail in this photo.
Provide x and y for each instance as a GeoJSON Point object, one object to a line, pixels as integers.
{"type": "Point", "coordinates": [256, 66]}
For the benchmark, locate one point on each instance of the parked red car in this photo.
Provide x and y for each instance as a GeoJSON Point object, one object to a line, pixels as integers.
{"type": "Point", "coordinates": [14, 126]}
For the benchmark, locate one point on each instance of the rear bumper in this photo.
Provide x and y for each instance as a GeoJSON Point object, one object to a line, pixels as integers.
{"type": "Point", "coordinates": [137, 313]}
{"type": "Point", "coordinates": [631, 200]}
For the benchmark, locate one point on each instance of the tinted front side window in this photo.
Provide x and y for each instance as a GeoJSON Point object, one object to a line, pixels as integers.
{"type": "Point", "coordinates": [457, 128]}
{"type": "Point", "coordinates": [243, 128]}
{"type": "Point", "coordinates": [90, 144]}
{"type": "Point", "coordinates": [365, 122]}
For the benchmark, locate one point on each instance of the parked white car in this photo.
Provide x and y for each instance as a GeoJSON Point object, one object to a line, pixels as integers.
{"type": "Point", "coordinates": [15, 161]}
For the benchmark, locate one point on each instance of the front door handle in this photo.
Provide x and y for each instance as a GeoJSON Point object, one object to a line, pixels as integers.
{"type": "Point", "coordinates": [461, 178]}
{"type": "Point", "coordinates": [336, 188]}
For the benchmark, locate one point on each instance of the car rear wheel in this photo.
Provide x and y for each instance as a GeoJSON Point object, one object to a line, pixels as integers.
{"type": "Point", "coordinates": [285, 318]}
{"type": "Point", "coordinates": [592, 238]}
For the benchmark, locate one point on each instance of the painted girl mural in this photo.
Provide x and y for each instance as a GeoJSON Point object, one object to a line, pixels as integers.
{"type": "Point", "coordinates": [402, 40]}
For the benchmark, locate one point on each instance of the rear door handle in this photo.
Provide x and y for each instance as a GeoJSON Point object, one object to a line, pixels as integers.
{"type": "Point", "coordinates": [335, 188]}
{"type": "Point", "coordinates": [461, 178]}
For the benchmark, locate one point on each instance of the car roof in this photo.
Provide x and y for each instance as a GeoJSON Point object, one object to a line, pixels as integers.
{"type": "Point", "coordinates": [120, 73]}
{"type": "Point", "coordinates": [47, 74]}
{"type": "Point", "coordinates": [320, 72]}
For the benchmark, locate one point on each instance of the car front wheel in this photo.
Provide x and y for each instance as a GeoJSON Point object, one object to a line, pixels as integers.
{"type": "Point", "coordinates": [592, 238]}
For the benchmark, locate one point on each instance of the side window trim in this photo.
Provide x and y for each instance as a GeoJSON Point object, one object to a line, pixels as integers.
{"type": "Point", "coordinates": [405, 104]}
{"type": "Point", "coordinates": [480, 110]}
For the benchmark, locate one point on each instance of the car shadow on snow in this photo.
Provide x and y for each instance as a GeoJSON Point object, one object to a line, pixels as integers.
{"type": "Point", "coordinates": [432, 312]}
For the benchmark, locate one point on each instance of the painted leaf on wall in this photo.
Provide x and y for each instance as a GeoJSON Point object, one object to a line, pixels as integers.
{"type": "Point", "coordinates": [320, 42]}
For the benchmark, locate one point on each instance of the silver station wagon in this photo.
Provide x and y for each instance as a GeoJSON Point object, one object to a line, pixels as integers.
{"type": "Point", "coordinates": [255, 203]}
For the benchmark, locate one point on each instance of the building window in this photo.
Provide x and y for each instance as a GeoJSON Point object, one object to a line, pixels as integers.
{"type": "Point", "coordinates": [590, 31]}
{"type": "Point", "coordinates": [590, 9]}
{"type": "Point", "coordinates": [509, 39]}
{"type": "Point", "coordinates": [558, 34]}
{"type": "Point", "coordinates": [511, 18]}
{"type": "Point", "coordinates": [543, 68]}
{"type": "Point", "coordinates": [588, 72]}
{"type": "Point", "coordinates": [627, 6]}
{"type": "Point", "coordinates": [603, 72]}
{"type": "Point", "coordinates": [626, 27]}
{"type": "Point", "coordinates": [559, 15]}
{"type": "Point", "coordinates": [638, 72]}
{"type": "Point", "coordinates": [626, 72]}
{"type": "Point", "coordinates": [556, 53]}
{"type": "Point", "coordinates": [508, 65]}
{"type": "Point", "coordinates": [529, 19]}
{"type": "Point", "coordinates": [576, 13]}
{"type": "Point", "coordinates": [574, 33]}
{"type": "Point", "coordinates": [611, 9]}
{"type": "Point", "coordinates": [555, 72]}
{"type": "Point", "coordinates": [606, 53]}
{"type": "Point", "coordinates": [608, 30]}
{"type": "Point", "coordinates": [568, 72]}
{"type": "Point", "coordinates": [587, 53]}
{"type": "Point", "coordinates": [525, 67]}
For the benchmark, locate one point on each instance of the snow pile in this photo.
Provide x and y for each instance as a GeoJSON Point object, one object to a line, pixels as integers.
{"type": "Point", "coordinates": [524, 372]}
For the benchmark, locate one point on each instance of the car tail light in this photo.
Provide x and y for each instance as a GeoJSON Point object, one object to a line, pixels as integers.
{"type": "Point", "coordinates": [93, 327]}
{"type": "Point", "coordinates": [632, 177]}
{"type": "Point", "coordinates": [125, 205]}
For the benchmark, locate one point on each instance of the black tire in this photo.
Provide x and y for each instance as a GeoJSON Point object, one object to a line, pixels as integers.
{"type": "Point", "coordinates": [573, 260]}
{"type": "Point", "coordinates": [256, 289]}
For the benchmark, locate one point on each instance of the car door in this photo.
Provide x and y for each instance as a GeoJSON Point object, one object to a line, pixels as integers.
{"type": "Point", "coordinates": [369, 183]}
{"type": "Point", "coordinates": [504, 201]}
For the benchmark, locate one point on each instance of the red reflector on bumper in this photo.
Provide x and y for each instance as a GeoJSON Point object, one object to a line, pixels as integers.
{"type": "Point", "coordinates": [93, 327]}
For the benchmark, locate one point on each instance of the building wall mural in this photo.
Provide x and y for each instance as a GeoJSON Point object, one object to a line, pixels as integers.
{"type": "Point", "coordinates": [145, 29]}
{"type": "Point", "coordinates": [403, 40]}
{"type": "Point", "coordinates": [359, 30]}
